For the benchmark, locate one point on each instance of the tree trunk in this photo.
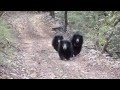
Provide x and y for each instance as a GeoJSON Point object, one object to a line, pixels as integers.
{"type": "Point", "coordinates": [1, 12]}
{"type": "Point", "coordinates": [66, 21]}
{"type": "Point", "coordinates": [52, 14]}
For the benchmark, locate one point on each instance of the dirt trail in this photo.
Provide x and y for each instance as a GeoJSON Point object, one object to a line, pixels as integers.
{"type": "Point", "coordinates": [37, 59]}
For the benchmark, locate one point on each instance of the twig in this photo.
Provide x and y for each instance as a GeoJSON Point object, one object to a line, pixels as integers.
{"type": "Point", "coordinates": [11, 45]}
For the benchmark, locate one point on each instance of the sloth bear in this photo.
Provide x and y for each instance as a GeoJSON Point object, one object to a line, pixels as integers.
{"type": "Point", "coordinates": [77, 42]}
{"type": "Point", "coordinates": [56, 40]}
{"type": "Point", "coordinates": [63, 47]}
{"type": "Point", "coordinates": [65, 50]}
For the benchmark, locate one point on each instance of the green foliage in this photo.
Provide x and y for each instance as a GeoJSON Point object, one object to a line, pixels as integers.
{"type": "Point", "coordinates": [97, 26]}
{"type": "Point", "coordinates": [5, 31]}
{"type": "Point", "coordinates": [6, 37]}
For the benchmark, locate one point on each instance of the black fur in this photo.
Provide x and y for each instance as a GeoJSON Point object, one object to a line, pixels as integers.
{"type": "Point", "coordinates": [77, 45]}
{"type": "Point", "coordinates": [55, 41]}
{"type": "Point", "coordinates": [65, 50]}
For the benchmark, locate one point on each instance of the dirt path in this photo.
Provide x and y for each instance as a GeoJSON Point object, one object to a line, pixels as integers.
{"type": "Point", "coordinates": [37, 58]}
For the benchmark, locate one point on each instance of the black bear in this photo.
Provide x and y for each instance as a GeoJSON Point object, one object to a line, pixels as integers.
{"type": "Point", "coordinates": [77, 42]}
{"type": "Point", "coordinates": [65, 50]}
{"type": "Point", "coordinates": [56, 40]}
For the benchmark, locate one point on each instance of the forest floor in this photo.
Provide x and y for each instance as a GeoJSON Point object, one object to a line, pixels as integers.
{"type": "Point", "coordinates": [36, 58]}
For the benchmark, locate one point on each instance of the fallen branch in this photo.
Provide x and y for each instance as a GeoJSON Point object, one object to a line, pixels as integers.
{"type": "Point", "coordinates": [89, 47]}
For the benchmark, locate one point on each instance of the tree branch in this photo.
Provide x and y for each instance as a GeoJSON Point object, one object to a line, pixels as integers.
{"type": "Point", "coordinates": [107, 43]}
{"type": "Point", "coordinates": [116, 22]}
